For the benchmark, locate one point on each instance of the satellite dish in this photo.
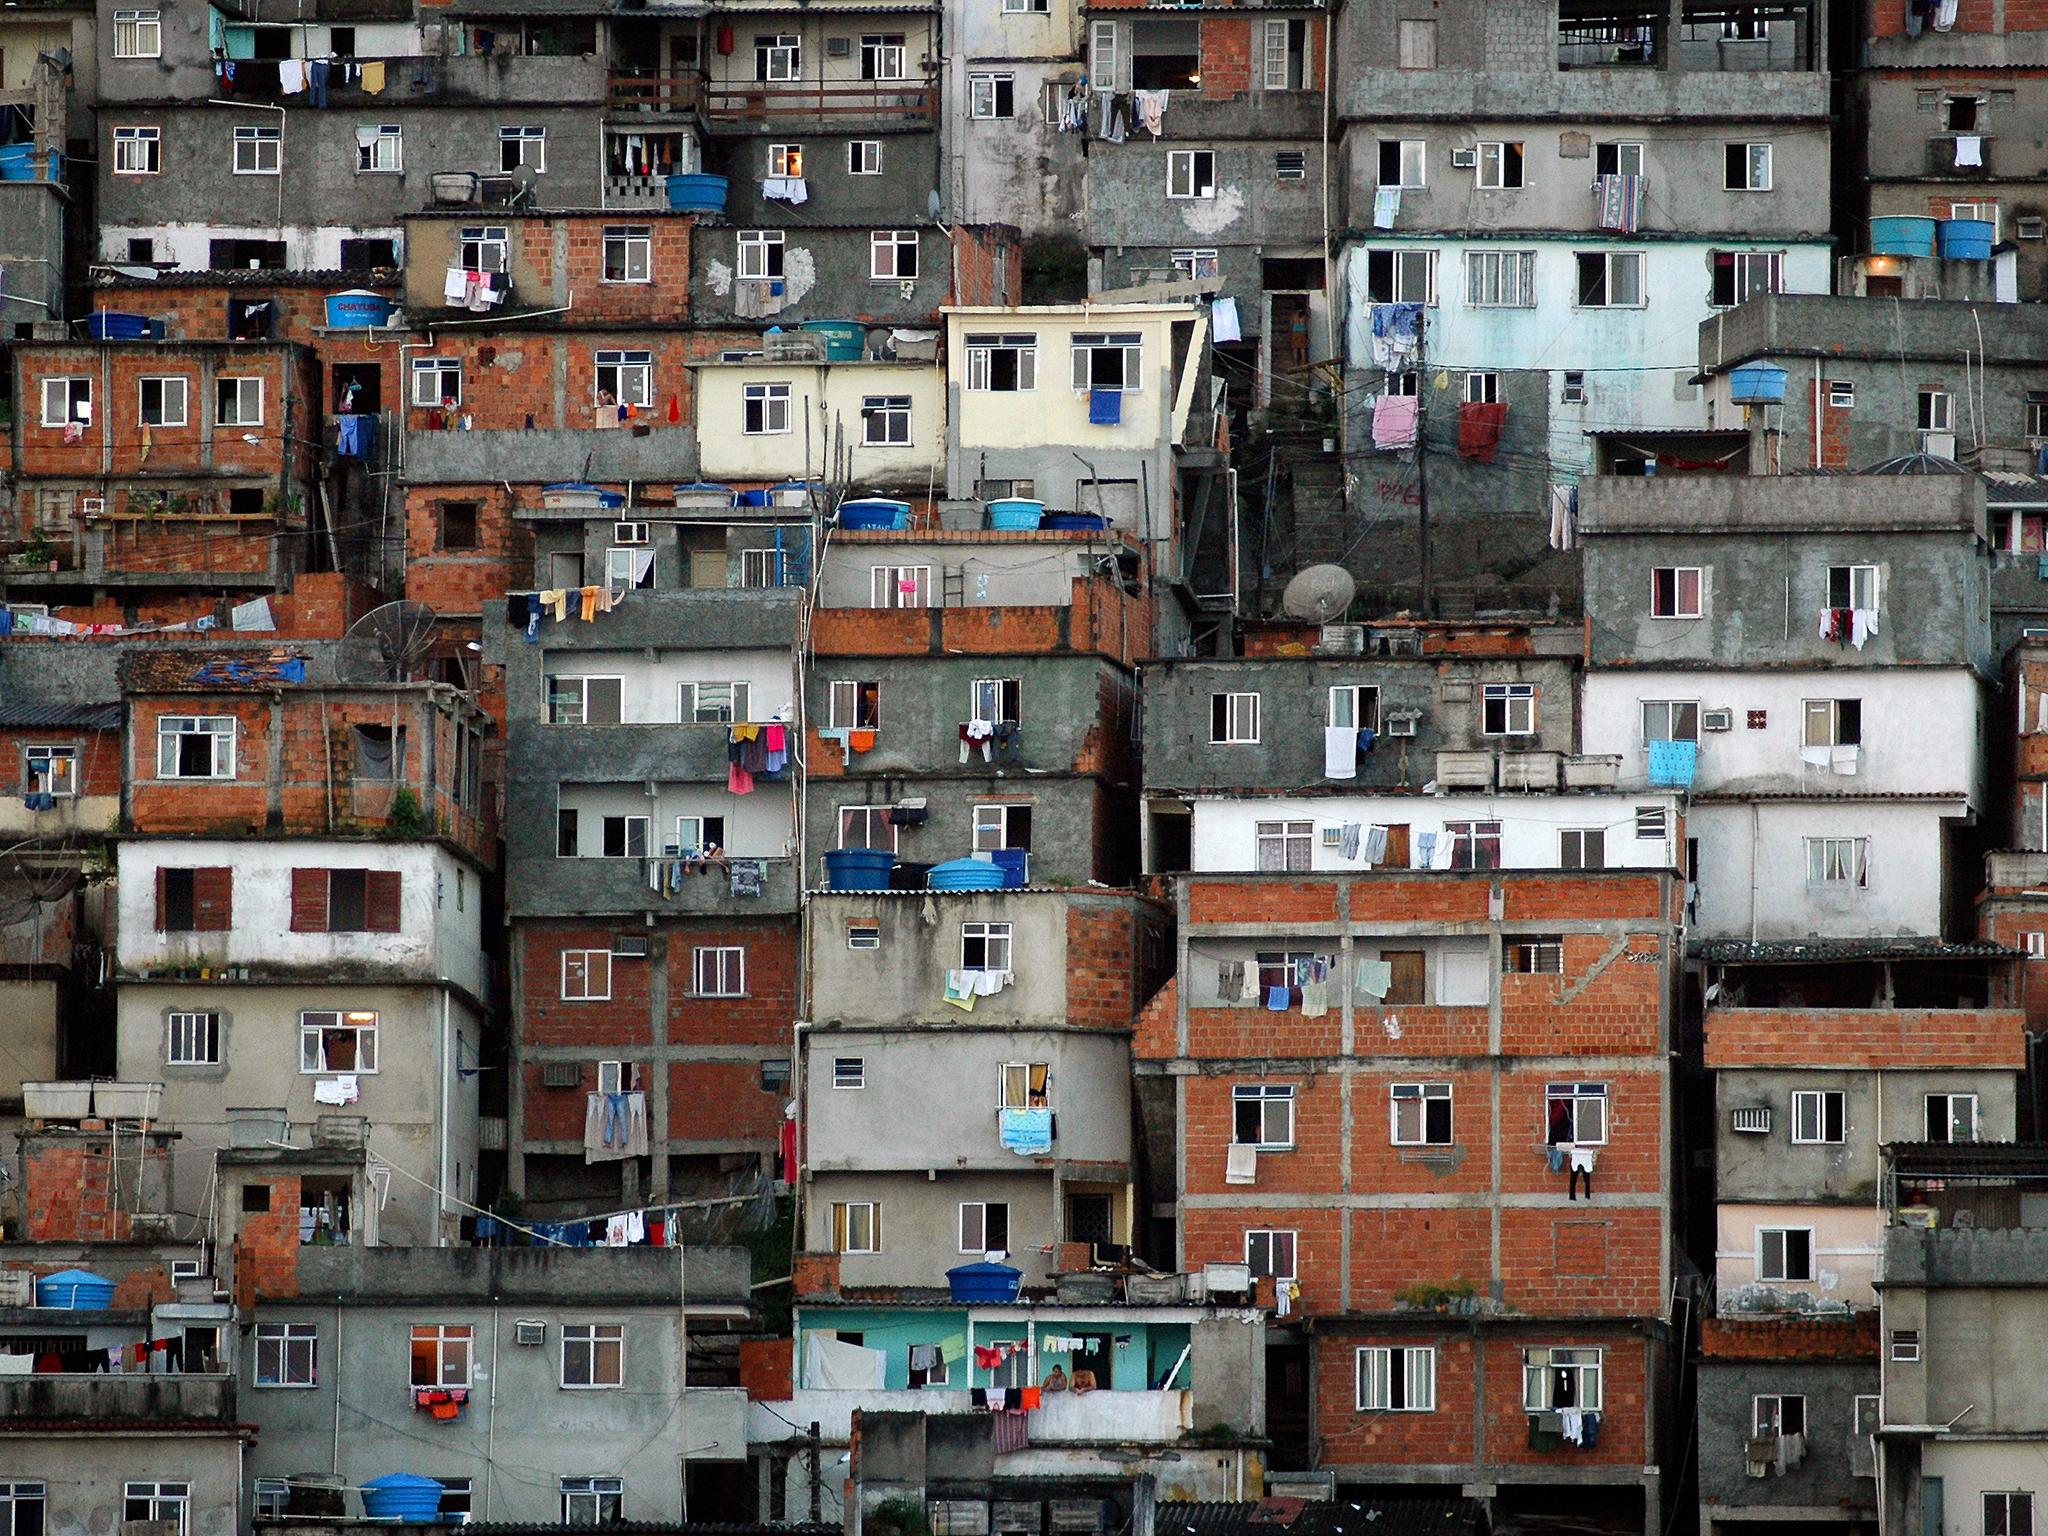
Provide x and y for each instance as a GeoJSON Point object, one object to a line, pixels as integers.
{"type": "Point", "coordinates": [387, 644]}
{"type": "Point", "coordinates": [933, 204]}
{"type": "Point", "coordinates": [1321, 593]}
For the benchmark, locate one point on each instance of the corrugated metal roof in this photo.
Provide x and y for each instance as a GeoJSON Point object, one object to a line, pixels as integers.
{"type": "Point", "coordinates": [255, 277]}
{"type": "Point", "coordinates": [1991, 1159]}
{"type": "Point", "coordinates": [1285, 1516]}
{"type": "Point", "coordinates": [1792, 951]}
{"type": "Point", "coordinates": [34, 713]}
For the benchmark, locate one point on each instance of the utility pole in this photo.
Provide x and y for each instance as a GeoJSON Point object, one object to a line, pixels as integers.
{"type": "Point", "coordinates": [817, 1474]}
{"type": "Point", "coordinates": [1422, 462]}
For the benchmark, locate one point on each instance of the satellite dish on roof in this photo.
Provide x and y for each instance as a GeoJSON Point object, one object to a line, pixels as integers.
{"type": "Point", "coordinates": [387, 644]}
{"type": "Point", "coordinates": [1321, 593]}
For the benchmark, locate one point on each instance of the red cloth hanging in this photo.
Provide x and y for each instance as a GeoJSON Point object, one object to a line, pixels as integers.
{"type": "Point", "coordinates": [725, 37]}
{"type": "Point", "coordinates": [1479, 427]}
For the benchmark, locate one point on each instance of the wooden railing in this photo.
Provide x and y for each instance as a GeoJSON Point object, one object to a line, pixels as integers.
{"type": "Point", "coordinates": [770, 100]}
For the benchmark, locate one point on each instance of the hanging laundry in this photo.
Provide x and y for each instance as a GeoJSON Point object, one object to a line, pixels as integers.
{"type": "Point", "coordinates": [1673, 763]}
{"type": "Point", "coordinates": [1348, 838]}
{"type": "Point", "coordinates": [1025, 1131]}
{"type": "Point", "coordinates": [1241, 1164]}
{"type": "Point", "coordinates": [1479, 428]}
{"type": "Point", "coordinates": [1396, 333]}
{"type": "Point", "coordinates": [1621, 203]}
{"type": "Point", "coordinates": [1386, 207]}
{"type": "Point", "coordinates": [1276, 999]}
{"type": "Point", "coordinates": [1394, 419]}
{"type": "Point", "coordinates": [1375, 844]}
{"type": "Point", "coordinates": [1150, 109]}
{"type": "Point", "coordinates": [373, 77]}
{"type": "Point", "coordinates": [1340, 752]}
{"type": "Point", "coordinates": [1249, 992]}
{"type": "Point", "coordinates": [1229, 979]}
{"type": "Point", "coordinates": [1425, 849]}
{"type": "Point", "coordinates": [1105, 407]}
{"type": "Point", "coordinates": [960, 990]}
{"type": "Point", "coordinates": [1315, 999]}
{"type": "Point", "coordinates": [1969, 150]}
{"type": "Point", "coordinates": [1224, 325]}
{"type": "Point", "coordinates": [1862, 625]}
{"type": "Point", "coordinates": [738, 781]}
{"type": "Point", "coordinates": [748, 876]}
{"type": "Point", "coordinates": [291, 76]}
{"type": "Point", "coordinates": [1564, 516]}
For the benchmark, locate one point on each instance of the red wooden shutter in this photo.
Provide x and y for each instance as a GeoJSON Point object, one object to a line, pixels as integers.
{"type": "Point", "coordinates": [380, 900]}
{"type": "Point", "coordinates": [309, 901]}
{"type": "Point", "coordinates": [160, 898]}
{"type": "Point", "coordinates": [213, 899]}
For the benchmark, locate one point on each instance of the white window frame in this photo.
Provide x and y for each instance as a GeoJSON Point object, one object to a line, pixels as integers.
{"type": "Point", "coordinates": [1838, 862]}
{"type": "Point", "coordinates": [138, 151]}
{"type": "Point", "coordinates": [974, 1222]}
{"type": "Point", "coordinates": [2015, 1512]}
{"type": "Point", "coordinates": [1779, 1272]}
{"type": "Point", "coordinates": [887, 586]}
{"type": "Point", "coordinates": [449, 1340]}
{"type": "Point", "coordinates": [1863, 580]}
{"type": "Point", "coordinates": [869, 817]}
{"type": "Point", "coordinates": [139, 34]}
{"type": "Point", "coordinates": [1590, 1388]}
{"type": "Point", "coordinates": [592, 1501]}
{"type": "Point", "coordinates": [1756, 166]}
{"type": "Point", "coordinates": [1936, 411]}
{"type": "Point", "coordinates": [380, 150]}
{"type": "Point", "coordinates": [1402, 263]}
{"type": "Point", "coordinates": [844, 1238]}
{"type": "Point", "coordinates": [1374, 1384]}
{"type": "Point", "coordinates": [526, 145]}
{"type": "Point", "coordinates": [1767, 1414]}
{"type": "Point", "coordinates": [558, 688]}
{"type": "Point", "coordinates": [1271, 1098]}
{"type": "Point", "coordinates": [991, 827]}
{"type": "Point", "coordinates": [778, 56]}
{"type": "Point", "coordinates": [58, 776]}
{"type": "Point", "coordinates": [693, 832]}
{"type": "Point", "coordinates": [1823, 718]}
{"type": "Point", "coordinates": [786, 160]}
{"type": "Point", "coordinates": [431, 377]}
{"type": "Point", "coordinates": [1421, 1095]}
{"type": "Point", "coordinates": [1283, 847]}
{"type": "Point", "coordinates": [631, 371]}
{"type": "Point", "coordinates": [981, 351]}
{"type": "Point", "coordinates": [255, 162]}
{"type": "Point", "coordinates": [885, 421]}
{"type": "Point", "coordinates": [864, 157]}
{"type": "Point", "coordinates": [1903, 1348]}
{"type": "Point", "coordinates": [1755, 272]}
{"type": "Point", "coordinates": [484, 247]}
{"type": "Point", "coordinates": [1413, 156]}
{"type": "Point", "coordinates": [1974, 1123]}
{"type": "Point", "coordinates": [984, 95]}
{"type": "Point", "coordinates": [1482, 388]}
{"type": "Point", "coordinates": [1679, 608]}
{"type": "Point", "coordinates": [1240, 719]}
{"type": "Point", "coordinates": [635, 243]}
{"type": "Point", "coordinates": [715, 701]}
{"type": "Point", "coordinates": [238, 401]}
{"type": "Point", "coordinates": [171, 729]}
{"type": "Point", "coordinates": [1597, 836]}
{"type": "Point", "coordinates": [192, 1037]}
{"type": "Point", "coordinates": [996, 952]}
{"type": "Point", "coordinates": [1354, 706]}
{"type": "Point", "coordinates": [286, 1356]}
{"type": "Point", "coordinates": [764, 410]}
{"type": "Point", "coordinates": [164, 1501]}
{"type": "Point", "coordinates": [589, 1342]}
{"type": "Point", "coordinates": [718, 970]}
{"type": "Point", "coordinates": [1612, 262]}
{"type": "Point", "coordinates": [1273, 1240]}
{"type": "Point", "coordinates": [586, 976]}
{"type": "Point", "coordinates": [1185, 178]}
{"type": "Point", "coordinates": [1492, 165]}
{"type": "Point", "coordinates": [758, 254]}
{"type": "Point", "coordinates": [843, 705]}
{"type": "Point", "coordinates": [849, 1073]}
{"type": "Point", "coordinates": [1810, 1116]}
{"type": "Point", "coordinates": [362, 1022]}
{"type": "Point", "coordinates": [163, 382]}
{"type": "Point", "coordinates": [886, 256]}
{"type": "Point", "coordinates": [1627, 155]}
{"type": "Point", "coordinates": [1517, 708]}
{"type": "Point", "coordinates": [1500, 279]}
{"type": "Point", "coordinates": [1577, 1096]}
{"type": "Point", "coordinates": [1671, 720]}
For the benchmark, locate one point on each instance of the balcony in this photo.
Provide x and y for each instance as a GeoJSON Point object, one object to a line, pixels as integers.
{"type": "Point", "coordinates": [874, 103]}
{"type": "Point", "coordinates": [1064, 1418]}
{"type": "Point", "coordinates": [550, 887]}
{"type": "Point", "coordinates": [697, 618]}
{"type": "Point", "coordinates": [666, 455]}
{"type": "Point", "coordinates": [145, 1400]}
{"type": "Point", "coordinates": [1963, 1256]}
{"type": "Point", "coordinates": [421, 79]}
{"type": "Point", "coordinates": [651, 93]}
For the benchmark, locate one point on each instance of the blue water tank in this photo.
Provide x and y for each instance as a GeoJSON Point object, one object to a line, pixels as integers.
{"type": "Point", "coordinates": [892, 515]}
{"type": "Point", "coordinates": [858, 869]}
{"type": "Point", "coordinates": [1756, 384]}
{"type": "Point", "coordinates": [1902, 235]}
{"type": "Point", "coordinates": [697, 193]}
{"type": "Point", "coordinates": [75, 1290]}
{"type": "Point", "coordinates": [357, 310]}
{"type": "Point", "coordinates": [965, 875]}
{"type": "Point", "coordinates": [1015, 515]}
{"type": "Point", "coordinates": [402, 1496]}
{"type": "Point", "coordinates": [984, 1282]}
{"type": "Point", "coordinates": [1967, 239]}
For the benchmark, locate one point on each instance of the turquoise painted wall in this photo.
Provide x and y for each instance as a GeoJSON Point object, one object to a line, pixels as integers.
{"type": "Point", "coordinates": [1139, 1364]}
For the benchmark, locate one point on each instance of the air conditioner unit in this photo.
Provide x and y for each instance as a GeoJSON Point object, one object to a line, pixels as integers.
{"type": "Point", "coordinates": [529, 1331]}
{"type": "Point", "coordinates": [1753, 1120]}
{"type": "Point", "coordinates": [1342, 640]}
{"type": "Point", "coordinates": [627, 947]}
{"type": "Point", "coordinates": [1938, 445]}
{"type": "Point", "coordinates": [838, 47]}
{"type": "Point", "coordinates": [629, 533]}
{"type": "Point", "coordinates": [1402, 724]}
{"type": "Point", "coordinates": [1717, 720]}
{"type": "Point", "coordinates": [1464, 159]}
{"type": "Point", "coordinates": [92, 506]}
{"type": "Point", "coordinates": [561, 1074]}
{"type": "Point", "coordinates": [1333, 837]}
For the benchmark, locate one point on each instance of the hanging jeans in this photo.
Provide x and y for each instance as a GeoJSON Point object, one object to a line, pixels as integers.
{"type": "Point", "coordinates": [1572, 1184]}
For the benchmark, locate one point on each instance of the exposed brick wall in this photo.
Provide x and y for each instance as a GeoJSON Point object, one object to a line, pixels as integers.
{"type": "Point", "coordinates": [511, 375]}
{"type": "Point", "coordinates": [1101, 620]}
{"type": "Point", "coordinates": [1268, 901]}
{"type": "Point", "coordinates": [611, 1028]}
{"type": "Point", "coordinates": [1226, 57]}
{"type": "Point", "coordinates": [722, 1101]}
{"type": "Point", "coordinates": [465, 581]}
{"type": "Point", "coordinates": [1217, 1237]}
{"type": "Point", "coordinates": [767, 1369]}
{"type": "Point", "coordinates": [266, 1251]}
{"type": "Point", "coordinates": [816, 1274]}
{"type": "Point", "coordinates": [1158, 1023]}
{"type": "Point", "coordinates": [70, 1192]}
{"type": "Point", "coordinates": [99, 757]}
{"type": "Point", "coordinates": [1314, 1165]}
{"type": "Point", "coordinates": [1833, 1338]}
{"type": "Point", "coordinates": [1866, 1037]}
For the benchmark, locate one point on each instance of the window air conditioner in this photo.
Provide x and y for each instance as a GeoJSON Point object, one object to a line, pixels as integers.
{"type": "Point", "coordinates": [629, 948]}
{"type": "Point", "coordinates": [629, 533]}
{"type": "Point", "coordinates": [838, 47]}
{"type": "Point", "coordinates": [1342, 640]}
{"type": "Point", "coordinates": [1754, 1121]}
{"type": "Point", "coordinates": [1717, 720]}
{"type": "Point", "coordinates": [1938, 445]}
{"type": "Point", "coordinates": [529, 1331]}
{"type": "Point", "coordinates": [1402, 725]}
{"type": "Point", "coordinates": [1333, 837]}
{"type": "Point", "coordinates": [92, 506]}
{"type": "Point", "coordinates": [1465, 159]}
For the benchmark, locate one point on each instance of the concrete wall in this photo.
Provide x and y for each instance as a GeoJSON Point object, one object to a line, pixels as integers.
{"type": "Point", "coordinates": [32, 248]}
{"type": "Point", "coordinates": [1845, 1247]}
{"type": "Point", "coordinates": [899, 194]}
{"type": "Point", "coordinates": [1970, 1470]}
{"type": "Point", "coordinates": [827, 275]}
{"type": "Point", "coordinates": [1027, 574]}
{"type": "Point", "coordinates": [921, 1220]}
{"type": "Point", "coordinates": [1822, 1486]}
{"type": "Point", "coordinates": [85, 1476]}
{"type": "Point", "coordinates": [825, 408]}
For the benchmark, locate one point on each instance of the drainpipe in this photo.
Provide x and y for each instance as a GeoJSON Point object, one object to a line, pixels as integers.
{"type": "Point", "coordinates": [447, 1072]}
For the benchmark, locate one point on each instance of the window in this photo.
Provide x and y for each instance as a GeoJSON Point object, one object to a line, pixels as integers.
{"type": "Point", "coordinates": [714, 703]}
{"type": "Point", "coordinates": [1650, 822]}
{"type": "Point", "coordinates": [1108, 360]}
{"type": "Point", "coordinates": [2008, 1514]}
{"type": "Point", "coordinates": [996, 699]}
{"type": "Point", "coordinates": [67, 400]}
{"type": "Point", "coordinates": [863, 935]}
{"type": "Point", "coordinates": [1746, 167]}
{"type": "Point", "coordinates": [483, 248]}
{"type": "Point", "coordinates": [1784, 1253]}
{"type": "Point", "coordinates": [1027, 7]}
{"type": "Point", "coordinates": [892, 255]}
{"type": "Point", "coordinates": [455, 1499]}
{"type": "Point", "coordinates": [626, 377]}
{"type": "Point", "coordinates": [1419, 1114]}
{"type": "Point", "coordinates": [1610, 279]}
{"type": "Point", "coordinates": [1262, 1115]}
{"type": "Point", "coordinates": [1285, 845]}
{"type": "Point", "coordinates": [1533, 956]}
{"type": "Point", "coordinates": [1741, 275]}
{"type": "Point", "coordinates": [1774, 1414]}
{"type": "Point", "coordinates": [586, 975]}
{"type": "Point", "coordinates": [849, 1072]}
{"type": "Point", "coordinates": [1281, 967]}
{"type": "Point", "coordinates": [1819, 1116]}
{"type": "Point", "coordinates": [991, 96]}
{"type": "Point", "coordinates": [854, 705]}
{"type": "Point", "coordinates": [285, 1354]}
{"type": "Point", "coordinates": [138, 151]}
{"type": "Point", "coordinates": [866, 826]}
{"type": "Point", "coordinates": [1284, 64]}
{"type": "Point", "coordinates": [1508, 709]}
{"type": "Point", "coordinates": [856, 1226]}
{"type": "Point", "coordinates": [985, 1226]}
{"type": "Point", "coordinates": [764, 409]}
{"type": "Point", "coordinates": [629, 252]}
{"type": "Point", "coordinates": [53, 771]}
{"type": "Point", "coordinates": [1270, 1252]}
{"type": "Point", "coordinates": [332, 1041]}
{"type": "Point", "coordinates": [1834, 722]}
{"type": "Point", "coordinates": [885, 420]}
{"type": "Point", "coordinates": [586, 700]}
{"type": "Point", "coordinates": [22, 1509]}
{"type": "Point", "coordinates": [1617, 157]}
{"type": "Point", "coordinates": [195, 747]}
{"type": "Point", "coordinates": [1290, 165]}
{"type": "Point", "coordinates": [593, 1354]}
{"type": "Point", "coordinates": [271, 1495]}
{"type": "Point", "coordinates": [1937, 411]}
{"type": "Point", "coordinates": [1399, 276]}
{"type": "Point", "coordinates": [592, 1500]}
{"type": "Point", "coordinates": [1905, 1346]}
{"type": "Point", "coordinates": [238, 402]}
{"type": "Point", "coordinates": [138, 34]}
{"type": "Point", "coordinates": [1581, 1108]}
{"type": "Point", "coordinates": [1190, 173]}
{"type": "Point", "coordinates": [629, 566]}
{"type": "Point", "coordinates": [786, 160]}
{"type": "Point", "coordinates": [1986, 211]}
{"type": "Point", "coordinates": [258, 151]}
{"type": "Point", "coordinates": [777, 56]}
{"type": "Point", "coordinates": [1671, 720]}
{"type": "Point", "coordinates": [436, 381]}
{"type": "Point", "coordinates": [1001, 826]}
{"type": "Point", "coordinates": [1193, 262]}
{"type": "Point", "coordinates": [883, 56]}
{"type": "Point", "coordinates": [719, 971]}
{"type": "Point", "coordinates": [1355, 706]}
{"type": "Point", "coordinates": [158, 1501]}
{"type": "Point", "coordinates": [1573, 390]}
{"type": "Point", "coordinates": [1500, 166]}
{"type": "Point", "coordinates": [899, 586]}
{"type": "Point", "coordinates": [441, 1354]}
{"type": "Point", "coordinates": [1474, 844]}
{"type": "Point", "coordinates": [1404, 163]}
{"type": "Point", "coordinates": [1395, 1379]}
{"type": "Point", "coordinates": [698, 832]}
{"type": "Point", "coordinates": [1024, 1085]}
{"type": "Point", "coordinates": [1951, 1117]}
{"type": "Point", "coordinates": [1841, 394]}
{"type": "Point", "coordinates": [864, 157]}
{"type": "Point", "coordinates": [760, 568]}
{"type": "Point", "coordinates": [192, 1039]}
{"type": "Point", "coordinates": [1002, 364]}
{"type": "Point", "coordinates": [1417, 44]}
{"type": "Point", "coordinates": [1500, 279]}
{"type": "Point", "coordinates": [1854, 586]}
{"type": "Point", "coordinates": [1482, 388]}
{"type": "Point", "coordinates": [380, 148]}
{"type": "Point", "coordinates": [1838, 861]}
{"type": "Point", "coordinates": [162, 402]}
{"type": "Point", "coordinates": [1562, 1378]}
{"type": "Point", "coordinates": [522, 146]}
{"type": "Point", "coordinates": [1675, 591]}
{"type": "Point", "coordinates": [197, 900]}
{"type": "Point", "coordinates": [985, 947]}
{"type": "Point", "coordinates": [1582, 848]}
{"type": "Point", "coordinates": [1233, 718]}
